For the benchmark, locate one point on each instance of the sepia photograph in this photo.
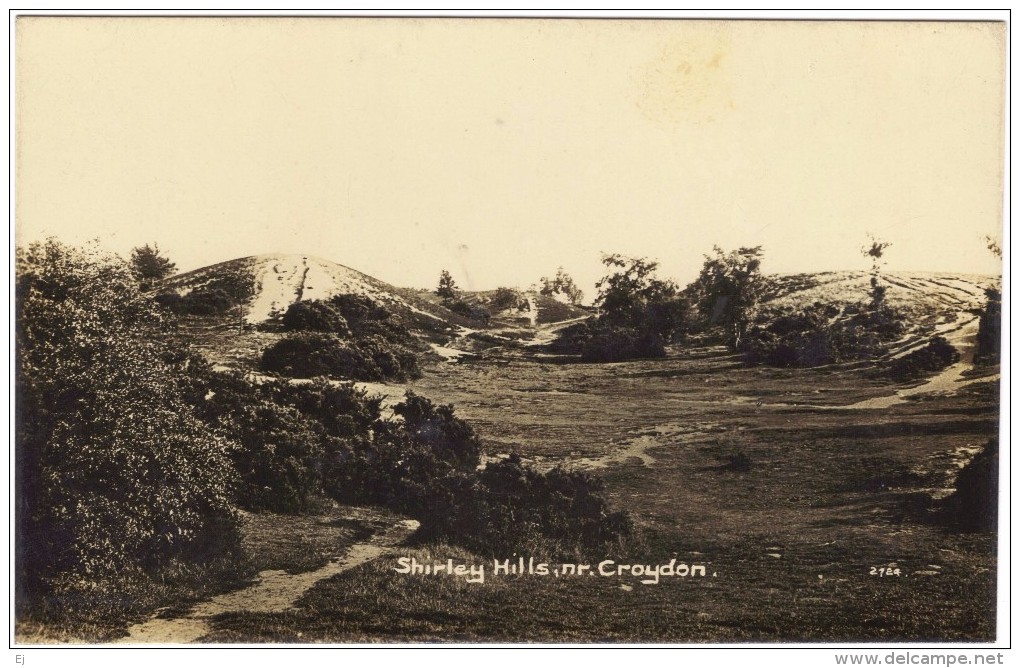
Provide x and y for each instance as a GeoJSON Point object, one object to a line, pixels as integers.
{"type": "Point", "coordinates": [538, 330]}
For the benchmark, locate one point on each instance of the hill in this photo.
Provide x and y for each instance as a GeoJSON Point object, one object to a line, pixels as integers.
{"type": "Point", "coordinates": [254, 292]}
{"type": "Point", "coordinates": [919, 294]}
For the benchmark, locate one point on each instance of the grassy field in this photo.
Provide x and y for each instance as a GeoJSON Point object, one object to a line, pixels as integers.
{"type": "Point", "coordinates": [790, 539]}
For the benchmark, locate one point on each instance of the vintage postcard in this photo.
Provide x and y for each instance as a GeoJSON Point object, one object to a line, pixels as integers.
{"type": "Point", "coordinates": [345, 330]}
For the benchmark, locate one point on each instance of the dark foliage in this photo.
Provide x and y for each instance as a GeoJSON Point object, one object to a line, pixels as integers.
{"type": "Point", "coordinates": [203, 301]}
{"type": "Point", "coordinates": [427, 467]}
{"type": "Point", "coordinates": [462, 308]}
{"type": "Point", "coordinates": [616, 344]}
{"type": "Point", "coordinates": [989, 336]}
{"type": "Point", "coordinates": [506, 299]}
{"type": "Point", "coordinates": [447, 288]}
{"type": "Point", "coordinates": [562, 284]}
{"type": "Point", "coordinates": [936, 355]}
{"type": "Point", "coordinates": [638, 315]}
{"type": "Point", "coordinates": [149, 267]}
{"type": "Point", "coordinates": [310, 354]}
{"type": "Point", "coordinates": [115, 475]}
{"type": "Point", "coordinates": [727, 292]}
{"type": "Point", "coordinates": [282, 433]}
{"type": "Point", "coordinates": [974, 506]}
{"type": "Point", "coordinates": [819, 334]}
{"type": "Point", "coordinates": [315, 316]}
{"type": "Point", "coordinates": [358, 309]}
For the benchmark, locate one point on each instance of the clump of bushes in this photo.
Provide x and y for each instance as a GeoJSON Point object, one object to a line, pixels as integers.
{"type": "Point", "coordinates": [426, 466]}
{"type": "Point", "coordinates": [638, 315]}
{"type": "Point", "coordinates": [506, 299]}
{"type": "Point", "coordinates": [616, 344]}
{"type": "Point", "coordinates": [974, 506]}
{"type": "Point", "coordinates": [936, 355]}
{"type": "Point", "coordinates": [203, 301]}
{"type": "Point", "coordinates": [819, 334]}
{"type": "Point", "coordinates": [348, 336]}
{"type": "Point", "coordinates": [281, 433]}
{"type": "Point", "coordinates": [223, 292]}
{"type": "Point", "coordinates": [310, 354]}
{"type": "Point", "coordinates": [462, 308]}
{"type": "Point", "coordinates": [315, 316]}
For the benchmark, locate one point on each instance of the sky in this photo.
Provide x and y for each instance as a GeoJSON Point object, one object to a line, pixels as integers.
{"type": "Point", "coordinates": [503, 149]}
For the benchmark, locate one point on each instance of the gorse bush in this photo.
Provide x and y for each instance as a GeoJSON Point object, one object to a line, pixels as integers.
{"type": "Point", "coordinates": [819, 334]}
{"type": "Point", "coordinates": [974, 505]}
{"type": "Point", "coordinates": [203, 301]}
{"type": "Point", "coordinates": [281, 433]}
{"type": "Point", "coordinates": [308, 355]}
{"type": "Point", "coordinates": [316, 316]}
{"type": "Point", "coordinates": [348, 336]}
{"type": "Point", "coordinates": [989, 336]}
{"type": "Point", "coordinates": [114, 472]}
{"type": "Point", "coordinates": [936, 355]}
{"type": "Point", "coordinates": [616, 344]}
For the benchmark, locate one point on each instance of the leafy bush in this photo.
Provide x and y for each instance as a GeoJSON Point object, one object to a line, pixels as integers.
{"type": "Point", "coordinates": [207, 301]}
{"type": "Point", "coordinates": [989, 336]}
{"type": "Point", "coordinates": [358, 308]}
{"type": "Point", "coordinates": [315, 316]}
{"type": "Point", "coordinates": [427, 467]}
{"type": "Point", "coordinates": [615, 344]}
{"type": "Point", "coordinates": [282, 433]}
{"type": "Point", "coordinates": [462, 308]}
{"type": "Point", "coordinates": [309, 354]}
{"type": "Point", "coordinates": [114, 473]}
{"type": "Point", "coordinates": [562, 284]}
{"type": "Point", "coordinates": [974, 506]}
{"type": "Point", "coordinates": [936, 355]}
{"type": "Point", "coordinates": [506, 299]}
{"type": "Point", "coordinates": [203, 301]}
{"type": "Point", "coordinates": [819, 334]}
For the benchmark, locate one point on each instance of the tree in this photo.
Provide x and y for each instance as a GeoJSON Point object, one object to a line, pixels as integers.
{"type": "Point", "coordinates": [875, 250]}
{"type": "Point", "coordinates": [562, 284]}
{"type": "Point", "coordinates": [729, 290]}
{"type": "Point", "coordinates": [447, 288]}
{"type": "Point", "coordinates": [149, 267]}
{"type": "Point", "coordinates": [629, 289]}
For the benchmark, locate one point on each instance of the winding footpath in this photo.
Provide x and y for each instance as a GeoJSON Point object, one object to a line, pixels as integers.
{"type": "Point", "coordinates": [274, 591]}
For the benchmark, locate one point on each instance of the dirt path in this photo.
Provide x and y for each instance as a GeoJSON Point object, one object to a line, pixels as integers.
{"type": "Point", "coordinates": [546, 334]}
{"type": "Point", "coordinates": [949, 380]}
{"type": "Point", "coordinates": [275, 591]}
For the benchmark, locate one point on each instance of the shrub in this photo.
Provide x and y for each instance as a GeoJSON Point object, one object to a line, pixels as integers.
{"type": "Point", "coordinates": [819, 334]}
{"type": "Point", "coordinates": [974, 506]}
{"type": "Point", "coordinates": [427, 467]}
{"type": "Point", "coordinates": [308, 355]}
{"type": "Point", "coordinates": [315, 316]}
{"type": "Point", "coordinates": [203, 301]}
{"type": "Point", "coordinates": [615, 344]}
{"type": "Point", "coordinates": [936, 355]}
{"type": "Point", "coordinates": [114, 472]}
{"type": "Point", "coordinates": [207, 301]}
{"type": "Point", "coordinates": [506, 299]}
{"type": "Point", "coordinates": [989, 336]}
{"type": "Point", "coordinates": [358, 308]}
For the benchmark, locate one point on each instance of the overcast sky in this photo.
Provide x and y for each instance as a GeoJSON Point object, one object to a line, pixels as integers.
{"type": "Point", "coordinates": [501, 150]}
